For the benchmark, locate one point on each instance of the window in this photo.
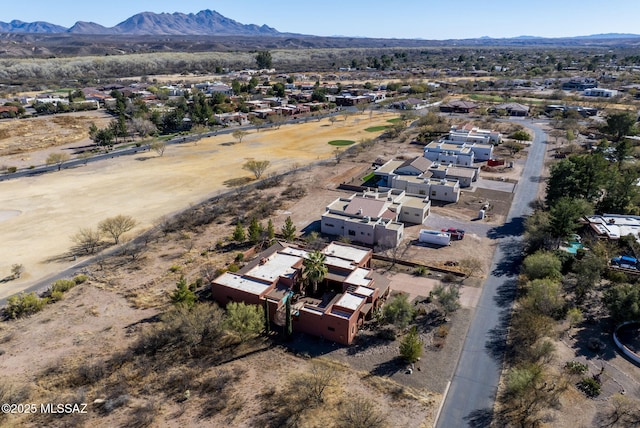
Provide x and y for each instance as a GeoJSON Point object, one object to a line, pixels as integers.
{"type": "Point", "coordinates": [328, 225]}
{"type": "Point", "coordinates": [417, 214]}
{"type": "Point", "coordinates": [331, 329]}
{"type": "Point", "coordinates": [352, 233]}
{"type": "Point", "coordinates": [433, 193]}
{"type": "Point", "coordinates": [422, 192]}
{"type": "Point", "coordinates": [361, 233]}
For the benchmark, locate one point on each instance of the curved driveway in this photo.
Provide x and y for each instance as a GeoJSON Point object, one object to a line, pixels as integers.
{"type": "Point", "coordinates": [472, 392]}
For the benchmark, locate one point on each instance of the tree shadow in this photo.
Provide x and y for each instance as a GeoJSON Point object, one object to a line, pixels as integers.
{"type": "Point", "coordinates": [389, 368]}
{"type": "Point", "coordinates": [588, 340]}
{"type": "Point", "coordinates": [515, 227]}
{"type": "Point", "coordinates": [506, 293]}
{"type": "Point", "coordinates": [479, 418]}
{"type": "Point", "coordinates": [537, 179]}
{"type": "Point", "coordinates": [496, 344]}
{"type": "Point", "coordinates": [509, 264]}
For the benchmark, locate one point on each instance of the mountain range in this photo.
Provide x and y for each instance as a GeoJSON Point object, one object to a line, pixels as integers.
{"type": "Point", "coordinates": [205, 22]}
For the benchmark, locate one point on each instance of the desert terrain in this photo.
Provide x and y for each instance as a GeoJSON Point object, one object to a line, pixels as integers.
{"type": "Point", "coordinates": [41, 213]}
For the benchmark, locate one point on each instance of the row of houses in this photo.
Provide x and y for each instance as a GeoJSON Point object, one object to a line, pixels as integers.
{"type": "Point", "coordinates": [349, 294]}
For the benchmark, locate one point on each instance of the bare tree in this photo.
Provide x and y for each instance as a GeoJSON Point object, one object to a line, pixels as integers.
{"type": "Point", "coordinates": [338, 154]}
{"type": "Point", "coordinates": [87, 240]}
{"type": "Point", "coordinates": [470, 266]}
{"type": "Point", "coordinates": [16, 270]}
{"type": "Point", "coordinates": [142, 127]}
{"type": "Point", "coordinates": [256, 167]}
{"type": "Point", "coordinates": [312, 385]}
{"type": "Point", "coordinates": [159, 147]}
{"type": "Point", "coordinates": [116, 226]}
{"type": "Point", "coordinates": [57, 159]}
{"type": "Point", "coordinates": [84, 156]}
{"type": "Point", "coordinates": [361, 413]}
{"type": "Point", "coordinates": [239, 134]}
{"type": "Point", "coordinates": [277, 120]}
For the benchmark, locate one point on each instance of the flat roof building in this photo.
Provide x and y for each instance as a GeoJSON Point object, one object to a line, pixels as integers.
{"type": "Point", "coordinates": [347, 296]}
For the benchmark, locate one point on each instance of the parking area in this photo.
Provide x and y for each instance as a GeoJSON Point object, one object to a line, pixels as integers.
{"type": "Point", "coordinates": [416, 286]}
{"type": "Point", "coordinates": [501, 186]}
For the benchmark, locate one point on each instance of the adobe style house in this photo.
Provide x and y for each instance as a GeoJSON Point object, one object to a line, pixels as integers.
{"type": "Point", "coordinates": [579, 84]}
{"type": "Point", "coordinates": [349, 293]}
{"type": "Point", "coordinates": [613, 226]}
{"type": "Point", "coordinates": [512, 109]}
{"type": "Point", "coordinates": [414, 176]}
{"type": "Point", "coordinates": [374, 218]}
{"type": "Point", "coordinates": [458, 106]}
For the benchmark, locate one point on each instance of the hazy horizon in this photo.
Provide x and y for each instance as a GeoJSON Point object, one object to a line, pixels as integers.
{"type": "Point", "coordinates": [404, 19]}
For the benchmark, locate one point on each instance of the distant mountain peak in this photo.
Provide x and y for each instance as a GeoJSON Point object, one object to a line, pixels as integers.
{"type": "Point", "coordinates": [205, 22]}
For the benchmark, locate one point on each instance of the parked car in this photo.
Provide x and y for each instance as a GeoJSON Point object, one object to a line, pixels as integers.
{"type": "Point", "coordinates": [456, 234]}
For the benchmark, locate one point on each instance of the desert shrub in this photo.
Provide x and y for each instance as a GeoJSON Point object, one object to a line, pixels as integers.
{"type": "Point", "coordinates": [233, 267]}
{"type": "Point", "coordinates": [294, 192]}
{"type": "Point", "coordinates": [144, 415]}
{"type": "Point", "coordinates": [62, 285]}
{"type": "Point", "coordinates": [360, 412]}
{"type": "Point", "coordinates": [590, 386]}
{"type": "Point", "coordinates": [55, 296]}
{"type": "Point", "coordinates": [175, 268]}
{"type": "Point", "coordinates": [111, 404]}
{"type": "Point", "coordinates": [399, 311]}
{"type": "Point", "coordinates": [12, 169]}
{"type": "Point", "coordinates": [244, 320]}
{"type": "Point", "coordinates": [12, 394]}
{"type": "Point", "coordinates": [411, 346]}
{"type": "Point", "coordinates": [215, 389]}
{"type": "Point", "coordinates": [184, 332]}
{"type": "Point", "coordinates": [420, 271]}
{"type": "Point", "coordinates": [575, 367]}
{"type": "Point", "coordinates": [79, 279]}
{"type": "Point", "coordinates": [442, 331]}
{"type": "Point", "coordinates": [183, 295]}
{"type": "Point", "coordinates": [239, 258]}
{"type": "Point", "coordinates": [24, 305]}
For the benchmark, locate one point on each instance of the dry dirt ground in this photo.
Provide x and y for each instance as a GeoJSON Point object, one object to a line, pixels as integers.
{"type": "Point", "coordinates": [41, 213]}
{"type": "Point", "coordinates": [106, 314]}
{"type": "Point", "coordinates": [125, 292]}
{"type": "Point", "coordinates": [26, 142]}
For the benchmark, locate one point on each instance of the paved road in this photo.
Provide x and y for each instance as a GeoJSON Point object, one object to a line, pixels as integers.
{"type": "Point", "coordinates": [471, 396]}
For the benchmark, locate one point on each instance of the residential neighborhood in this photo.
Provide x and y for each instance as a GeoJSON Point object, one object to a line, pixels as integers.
{"type": "Point", "coordinates": [210, 223]}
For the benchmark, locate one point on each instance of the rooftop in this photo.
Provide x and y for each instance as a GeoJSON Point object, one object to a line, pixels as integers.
{"type": "Point", "coordinates": [347, 252]}
{"type": "Point", "coordinates": [242, 283]}
{"type": "Point", "coordinates": [360, 277]}
{"type": "Point", "coordinates": [275, 266]}
{"type": "Point", "coordinates": [350, 301]}
{"type": "Point", "coordinates": [366, 207]}
{"type": "Point", "coordinates": [415, 201]}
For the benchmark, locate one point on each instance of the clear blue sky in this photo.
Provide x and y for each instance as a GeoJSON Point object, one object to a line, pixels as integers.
{"type": "Point", "coordinates": [428, 19]}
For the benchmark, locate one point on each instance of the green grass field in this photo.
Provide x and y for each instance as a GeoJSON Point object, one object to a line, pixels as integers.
{"type": "Point", "coordinates": [377, 128]}
{"type": "Point", "coordinates": [395, 120]}
{"type": "Point", "coordinates": [341, 143]}
{"type": "Point", "coordinates": [368, 177]}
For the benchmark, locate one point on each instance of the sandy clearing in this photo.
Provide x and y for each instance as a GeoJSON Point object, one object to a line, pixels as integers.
{"type": "Point", "coordinates": [145, 186]}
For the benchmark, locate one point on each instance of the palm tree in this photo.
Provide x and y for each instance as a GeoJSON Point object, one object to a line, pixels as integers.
{"type": "Point", "coordinates": [315, 268]}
